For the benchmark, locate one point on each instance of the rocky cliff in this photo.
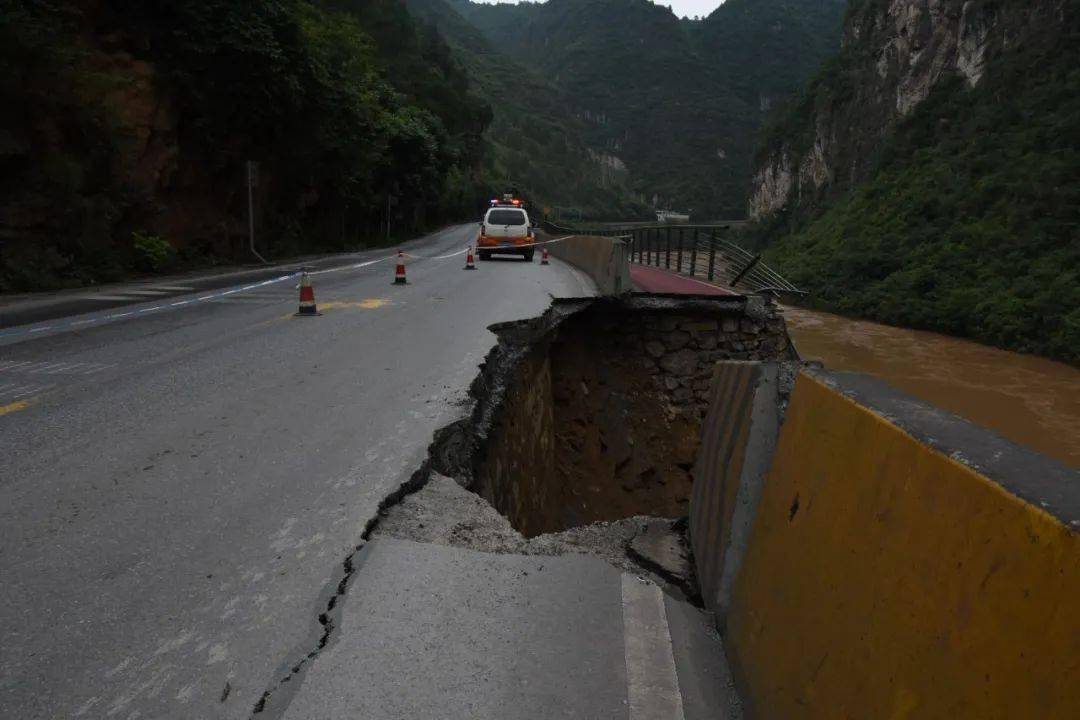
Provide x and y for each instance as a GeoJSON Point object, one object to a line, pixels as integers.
{"type": "Point", "coordinates": [928, 176]}
{"type": "Point", "coordinates": [894, 52]}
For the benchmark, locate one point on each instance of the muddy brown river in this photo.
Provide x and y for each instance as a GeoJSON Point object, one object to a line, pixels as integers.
{"type": "Point", "coordinates": [1027, 399]}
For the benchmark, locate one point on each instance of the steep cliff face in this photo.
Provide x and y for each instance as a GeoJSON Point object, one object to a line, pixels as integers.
{"type": "Point", "coordinates": [929, 175]}
{"type": "Point", "coordinates": [894, 53]}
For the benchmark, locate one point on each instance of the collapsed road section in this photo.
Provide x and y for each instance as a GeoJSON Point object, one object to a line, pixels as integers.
{"type": "Point", "coordinates": [653, 510]}
{"type": "Point", "coordinates": [574, 461]}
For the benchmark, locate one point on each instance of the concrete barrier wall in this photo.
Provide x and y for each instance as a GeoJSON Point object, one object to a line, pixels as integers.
{"type": "Point", "coordinates": [906, 564]}
{"type": "Point", "coordinates": [604, 259]}
{"type": "Point", "coordinates": [738, 436]}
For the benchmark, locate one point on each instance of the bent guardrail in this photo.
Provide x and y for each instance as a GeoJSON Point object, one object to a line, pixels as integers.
{"type": "Point", "coordinates": [698, 251]}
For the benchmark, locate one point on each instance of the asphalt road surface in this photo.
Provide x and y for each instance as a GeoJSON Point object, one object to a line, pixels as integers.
{"type": "Point", "coordinates": [180, 485]}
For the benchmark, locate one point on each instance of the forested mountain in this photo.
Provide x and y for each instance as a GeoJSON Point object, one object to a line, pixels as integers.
{"type": "Point", "coordinates": [929, 175]}
{"type": "Point", "coordinates": [125, 128]}
{"type": "Point", "coordinates": [535, 142]}
{"type": "Point", "coordinates": [678, 102]}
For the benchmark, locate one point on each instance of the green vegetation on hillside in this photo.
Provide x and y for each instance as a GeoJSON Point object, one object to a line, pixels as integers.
{"type": "Point", "coordinates": [344, 103]}
{"type": "Point", "coordinates": [534, 142]}
{"type": "Point", "coordinates": [679, 101]}
{"type": "Point", "coordinates": [971, 223]}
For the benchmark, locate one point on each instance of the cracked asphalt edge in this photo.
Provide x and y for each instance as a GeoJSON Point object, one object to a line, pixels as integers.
{"type": "Point", "coordinates": [452, 452]}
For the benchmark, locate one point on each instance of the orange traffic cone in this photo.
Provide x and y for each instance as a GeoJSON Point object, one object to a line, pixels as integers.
{"type": "Point", "coordinates": [307, 296]}
{"type": "Point", "coordinates": [544, 256]}
{"type": "Point", "coordinates": [469, 264]}
{"type": "Point", "coordinates": [399, 272]}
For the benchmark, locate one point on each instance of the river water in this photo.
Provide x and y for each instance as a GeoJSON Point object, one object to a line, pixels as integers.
{"type": "Point", "coordinates": [1030, 400]}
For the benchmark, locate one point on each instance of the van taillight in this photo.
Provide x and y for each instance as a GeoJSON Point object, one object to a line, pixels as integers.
{"type": "Point", "coordinates": [483, 229]}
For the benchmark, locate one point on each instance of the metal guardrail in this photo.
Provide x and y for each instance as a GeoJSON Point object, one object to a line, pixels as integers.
{"type": "Point", "coordinates": [697, 251]}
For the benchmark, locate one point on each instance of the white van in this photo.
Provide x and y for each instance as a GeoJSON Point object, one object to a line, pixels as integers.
{"type": "Point", "coordinates": [505, 230]}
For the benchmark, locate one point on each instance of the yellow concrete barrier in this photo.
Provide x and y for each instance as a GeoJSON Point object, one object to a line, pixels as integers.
{"type": "Point", "coordinates": [737, 442]}
{"type": "Point", "coordinates": [886, 579]}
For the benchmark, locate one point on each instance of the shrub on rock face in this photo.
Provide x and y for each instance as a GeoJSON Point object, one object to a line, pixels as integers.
{"type": "Point", "coordinates": [152, 253]}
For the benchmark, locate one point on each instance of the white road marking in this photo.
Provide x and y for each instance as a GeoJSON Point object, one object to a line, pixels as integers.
{"type": "Point", "coordinates": [43, 328]}
{"type": "Point", "coordinates": [41, 367]}
{"type": "Point", "coordinates": [31, 390]}
{"type": "Point", "coordinates": [352, 267]}
{"type": "Point", "coordinates": [22, 391]}
{"type": "Point", "coordinates": [147, 293]}
{"type": "Point", "coordinates": [56, 368]}
{"type": "Point", "coordinates": [652, 683]}
{"type": "Point", "coordinates": [68, 367]}
{"type": "Point", "coordinates": [109, 298]}
{"type": "Point", "coordinates": [97, 367]}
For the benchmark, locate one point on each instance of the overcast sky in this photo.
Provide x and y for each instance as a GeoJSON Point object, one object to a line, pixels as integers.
{"type": "Point", "coordinates": [682, 8]}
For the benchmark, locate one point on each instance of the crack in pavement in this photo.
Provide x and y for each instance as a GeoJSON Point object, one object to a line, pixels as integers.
{"type": "Point", "coordinates": [453, 452]}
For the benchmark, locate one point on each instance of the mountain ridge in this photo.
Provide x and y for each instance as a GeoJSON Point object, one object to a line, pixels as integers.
{"type": "Point", "coordinates": [670, 98]}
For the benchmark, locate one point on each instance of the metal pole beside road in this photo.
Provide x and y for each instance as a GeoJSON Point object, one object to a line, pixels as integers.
{"type": "Point", "coordinates": [693, 253]}
{"type": "Point", "coordinates": [252, 180]}
{"type": "Point", "coordinates": [712, 255]}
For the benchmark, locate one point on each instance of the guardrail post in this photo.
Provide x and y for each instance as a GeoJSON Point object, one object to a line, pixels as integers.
{"type": "Point", "coordinates": [678, 259]}
{"type": "Point", "coordinates": [667, 250]}
{"type": "Point", "coordinates": [712, 256]}
{"type": "Point", "coordinates": [693, 253]}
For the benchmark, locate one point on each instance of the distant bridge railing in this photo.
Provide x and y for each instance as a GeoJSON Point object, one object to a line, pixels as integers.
{"type": "Point", "coordinates": [695, 250]}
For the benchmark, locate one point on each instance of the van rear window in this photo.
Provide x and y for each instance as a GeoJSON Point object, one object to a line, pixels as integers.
{"type": "Point", "coordinates": [506, 217]}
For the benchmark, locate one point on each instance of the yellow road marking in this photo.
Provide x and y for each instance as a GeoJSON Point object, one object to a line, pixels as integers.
{"type": "Point", "coordinates": [14, 407]}
{"type": "Point", "coordinates": [365, 304]}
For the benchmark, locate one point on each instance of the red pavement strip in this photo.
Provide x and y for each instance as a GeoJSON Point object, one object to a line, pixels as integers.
{"type": "Point", "coordinates": [655, 280]}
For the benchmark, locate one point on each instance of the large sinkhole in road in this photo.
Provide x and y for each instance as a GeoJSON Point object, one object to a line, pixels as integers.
{"type": "Point", "coordinates": [593, 412]}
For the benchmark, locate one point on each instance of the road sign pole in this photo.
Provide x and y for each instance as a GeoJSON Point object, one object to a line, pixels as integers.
{"type": "Point", "coordinates": [252, 178]}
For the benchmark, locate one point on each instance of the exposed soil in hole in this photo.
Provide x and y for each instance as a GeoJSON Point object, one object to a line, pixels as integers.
{"type": "Point", "coordinates": [600, 408]}
{"type": "Point", "coordinates": [584, 432]}
{"type": "Point", "coordinates": [621, 448]}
